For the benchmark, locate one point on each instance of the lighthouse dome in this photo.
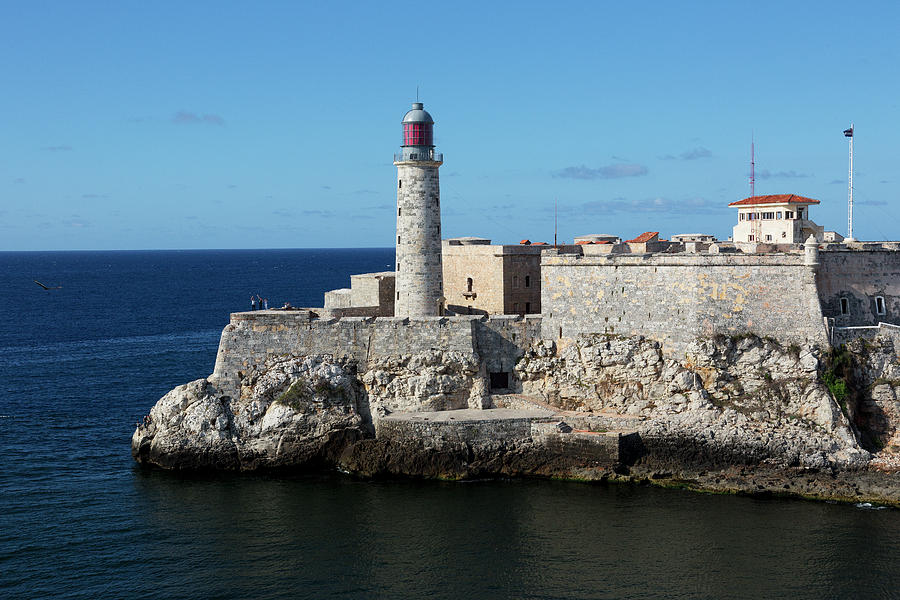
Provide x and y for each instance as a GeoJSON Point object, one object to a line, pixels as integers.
{"type": "Point", "coordinates": [417, 115]}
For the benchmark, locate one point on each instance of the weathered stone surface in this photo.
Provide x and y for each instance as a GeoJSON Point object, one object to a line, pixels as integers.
{"type": "Point", "coordinates": [728, 401]}
{"type": "Point", "coordinates": [676, 298]}
{"type": "Point", "coordinates": [292, 412]}
{"type": "Point", "coordinates": [431, 380]}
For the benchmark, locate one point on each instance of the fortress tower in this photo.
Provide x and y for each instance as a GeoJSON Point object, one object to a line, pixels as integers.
{"type": "Point", "coordinates": [419, 285]}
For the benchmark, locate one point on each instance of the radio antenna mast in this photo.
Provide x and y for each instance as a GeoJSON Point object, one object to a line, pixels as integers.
{"type": "Point", "coordinates": [555, 219]}
{"type": "Point", "coordinates": [757, 224]}
{"type": "Point", "coordinates": [849, 133]}
{"type": "Point", "coordinates": [752, 167]}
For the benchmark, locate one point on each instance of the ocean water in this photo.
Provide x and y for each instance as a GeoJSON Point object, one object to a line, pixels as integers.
{"type": "Point", "coordinates": [81, 364]}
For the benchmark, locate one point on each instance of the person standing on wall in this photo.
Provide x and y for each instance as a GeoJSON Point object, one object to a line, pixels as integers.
{"type": "Point", "coordinates": [252, 302]}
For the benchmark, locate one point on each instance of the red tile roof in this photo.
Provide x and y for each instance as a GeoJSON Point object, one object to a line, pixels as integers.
{"type": "Point", "coordinates": [525, 242]}
{"type": "Point", "coordinates": [583, 243]}
{"type": "Point", "coordinates": [644, 237]}
{"type": "Point", "coordinates": [774, 199]}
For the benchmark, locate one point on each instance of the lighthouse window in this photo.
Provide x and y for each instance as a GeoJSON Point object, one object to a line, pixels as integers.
{"type": "Point", "coordinates": [399, 184]}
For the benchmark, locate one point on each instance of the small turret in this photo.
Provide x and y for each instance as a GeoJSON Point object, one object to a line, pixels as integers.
{"type": "Point", "coordinates": [811, 252]}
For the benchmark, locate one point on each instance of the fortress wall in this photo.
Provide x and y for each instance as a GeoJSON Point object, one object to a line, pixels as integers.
{"type": "Point", "coordinates": [859, 276]}
{"type": "Point", "coordinates": [251, 337]}
{"type": "Point", "coordinates": [676, 298]}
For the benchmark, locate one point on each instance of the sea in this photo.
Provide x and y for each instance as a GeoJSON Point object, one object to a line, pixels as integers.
{"type": "Point", "coordinates": [82, 362]}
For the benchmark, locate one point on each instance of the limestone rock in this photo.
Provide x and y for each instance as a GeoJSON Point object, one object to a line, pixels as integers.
{"type": "Point", "coordinates": [292, 412]}
{"type": "Point", "coordinates": [741, 401]}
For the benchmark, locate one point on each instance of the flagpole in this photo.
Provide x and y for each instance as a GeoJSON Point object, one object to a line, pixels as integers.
{"type": "Point", "coordinates": [850, 192]}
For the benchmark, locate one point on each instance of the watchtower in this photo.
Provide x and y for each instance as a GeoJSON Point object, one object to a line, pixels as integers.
{"type": "Point", "coordinates": [419, 283]}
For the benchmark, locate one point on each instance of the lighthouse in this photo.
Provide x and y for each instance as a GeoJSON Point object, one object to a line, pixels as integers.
{"type": "Point", "coordinates": [419, 283]}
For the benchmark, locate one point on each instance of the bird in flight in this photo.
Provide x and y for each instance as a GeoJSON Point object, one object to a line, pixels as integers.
{"type": "Point", "coordinates": [57, 287]}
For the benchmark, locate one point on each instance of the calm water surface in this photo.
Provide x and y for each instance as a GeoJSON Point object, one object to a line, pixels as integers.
{"type": "Point", "coordinates": [78, 519]}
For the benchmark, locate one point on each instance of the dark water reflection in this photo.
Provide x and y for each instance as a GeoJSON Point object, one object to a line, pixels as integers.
{"type": "Point", "coordinates": [337, 537]}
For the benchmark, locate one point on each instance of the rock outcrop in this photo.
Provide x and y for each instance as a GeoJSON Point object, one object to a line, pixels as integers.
{"type": "Point", "coordinates": [740, 413]}
{"type": "Point", "coordinates": [292, 412]}
{"type": "Point", "coordinates": [728, 401]}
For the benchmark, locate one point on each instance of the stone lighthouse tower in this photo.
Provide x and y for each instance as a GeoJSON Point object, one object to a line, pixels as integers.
{"type": "Point", "coordinates": [419, 283]}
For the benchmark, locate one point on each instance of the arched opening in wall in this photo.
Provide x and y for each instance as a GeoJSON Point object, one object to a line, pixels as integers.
{"type": "Point", "coordinates": [469, 284]}
{"type": "Point", "coordinates": [845, 306]}
{"type": "Point", "coordinates": [879, 305]}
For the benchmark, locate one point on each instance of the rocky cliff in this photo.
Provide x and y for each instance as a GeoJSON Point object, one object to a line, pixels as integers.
{"type": "Point", "coordinates": [739, 413]}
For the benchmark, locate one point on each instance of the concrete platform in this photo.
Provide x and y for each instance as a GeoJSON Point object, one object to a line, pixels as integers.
{"type": "Point", "coordinates": [470, 415]}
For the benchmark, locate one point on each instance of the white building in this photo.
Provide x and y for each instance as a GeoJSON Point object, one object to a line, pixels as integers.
{"type": "Point", "coordinates": [775, 219]}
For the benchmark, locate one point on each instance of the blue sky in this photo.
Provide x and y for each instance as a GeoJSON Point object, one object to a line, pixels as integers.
{"type": "Point", "coordinates": [132, 125]}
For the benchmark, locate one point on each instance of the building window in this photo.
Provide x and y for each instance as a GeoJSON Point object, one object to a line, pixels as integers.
{"type": "Point", "coordinates": [515, 281]}
{"type": "Point", "coordinates": [398, 239]}
{"type": "Point", "coordinates": [788, 214]}
{"type": "Point", "coordinates": [528, 281]}
{"type": "Point", "coordinates": [399, 184]}
{"type": "Point", "coordinates": [398, 295]}
{"type": "Point", "coordinates": [750, 238]}
{"type": "Point", "coordinates": [784, 234]}
{"type": "Point", "coordinates": [845, 306]}
{"type": "Point", "coordinates": [515, 307]}
{"type": "Point", "coordinates": [741, 216]}
{"type": "Point", "coordinates": [768, 238]}
{"type": "Point", "coordinates": [399, 211]}
{"type": "Point", "coordinates": [879, 305]}
{"type": "Point", "coordinates": [398, 266]}
{"type": "Point", "coordinates": [469, 284]}
{"type": "Point", "coordinates": [799, 213]}
{"type": "Point", "coordinates": [778, 214]}
{"type": "Point", "coordinates": [528, 307]}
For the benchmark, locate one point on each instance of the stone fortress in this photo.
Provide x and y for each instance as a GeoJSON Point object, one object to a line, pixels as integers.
{"type": "Point", "coordinates": [780, 275]}
{"type": "Point", "coordinates": [596, 352]}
